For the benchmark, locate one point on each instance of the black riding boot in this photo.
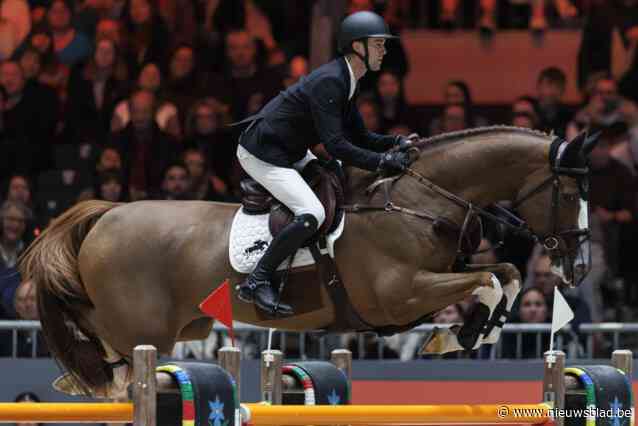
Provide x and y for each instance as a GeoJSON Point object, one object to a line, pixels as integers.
{"type": "Point", "coordinates": [258, 287]}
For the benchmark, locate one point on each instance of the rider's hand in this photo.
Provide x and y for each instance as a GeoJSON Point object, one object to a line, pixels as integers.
{"type": "Point", "coordinates": [406, 142]}
{"type": "Point", "coordinates": [393, 162]}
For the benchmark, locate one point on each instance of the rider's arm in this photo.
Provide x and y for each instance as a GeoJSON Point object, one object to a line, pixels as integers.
{"type": "Point", "coordinates": [366, 138]}
{"type": "Point", "coordinates": [326, 103]}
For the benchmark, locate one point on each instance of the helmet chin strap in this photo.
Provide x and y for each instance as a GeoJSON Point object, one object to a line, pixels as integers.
{"type": "Point", "coordinates": [365, 58]}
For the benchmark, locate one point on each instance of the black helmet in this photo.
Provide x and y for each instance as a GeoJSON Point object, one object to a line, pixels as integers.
{"type": "Point", "coordinates": [361, 25]}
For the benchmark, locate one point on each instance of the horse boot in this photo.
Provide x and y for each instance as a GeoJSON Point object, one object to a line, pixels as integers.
{"type": "Point", "coordinates": [258, 288]}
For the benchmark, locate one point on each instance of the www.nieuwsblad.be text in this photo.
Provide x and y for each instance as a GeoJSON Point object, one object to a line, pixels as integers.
{"type": "Point", "coordinates": [505, 411]}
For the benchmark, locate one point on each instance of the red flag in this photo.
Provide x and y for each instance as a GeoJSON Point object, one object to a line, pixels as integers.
{"type": "Point", "coordinates": [218, 306]}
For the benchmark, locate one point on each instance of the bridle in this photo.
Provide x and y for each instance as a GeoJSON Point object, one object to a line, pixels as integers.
{"type": "Point", "coordinates": [554, 242]}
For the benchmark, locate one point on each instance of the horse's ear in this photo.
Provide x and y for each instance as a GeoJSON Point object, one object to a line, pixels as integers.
{"type": "Point", "coordinates": [572, 156]}
{"type": "Point", "coordinates": [590, 143]}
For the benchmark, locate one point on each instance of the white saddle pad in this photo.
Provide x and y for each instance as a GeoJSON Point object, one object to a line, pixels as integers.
{"type": "Point", "coordinates": [250, 237]}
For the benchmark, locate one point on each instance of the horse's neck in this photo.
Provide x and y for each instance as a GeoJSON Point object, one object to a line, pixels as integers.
{"type": "Point", "coordinates": [486, 168]}
{"type": "Point", "coordinates": [481, 169]}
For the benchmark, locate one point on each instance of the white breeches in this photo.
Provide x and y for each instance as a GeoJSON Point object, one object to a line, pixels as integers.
{"type": "Point", "coordinates": [285, 184]}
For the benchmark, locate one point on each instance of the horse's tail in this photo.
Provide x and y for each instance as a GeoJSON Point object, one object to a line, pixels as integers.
{"type": "Point", "coordinates": [51, 263]}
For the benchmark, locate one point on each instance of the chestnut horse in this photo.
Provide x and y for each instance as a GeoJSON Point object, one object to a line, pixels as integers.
{"type": "Point", "coordinates": [111, 276]}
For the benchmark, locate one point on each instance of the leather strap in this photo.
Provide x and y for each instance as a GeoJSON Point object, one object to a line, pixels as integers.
{"type": "Point", "coordinates": [346, 317]}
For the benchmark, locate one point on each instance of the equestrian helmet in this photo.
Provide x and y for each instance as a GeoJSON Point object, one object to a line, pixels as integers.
{"type": "Point", "coordinates": [361, 25]}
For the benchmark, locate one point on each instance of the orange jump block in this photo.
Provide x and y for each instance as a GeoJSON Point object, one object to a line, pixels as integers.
{"type": "Point", "coordinates": [78, 412]}
{"type": "Point", "coordinates": [290, 415]}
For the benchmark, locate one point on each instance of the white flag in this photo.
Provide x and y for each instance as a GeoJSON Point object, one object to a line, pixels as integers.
{"type": "Point", "coordinates": [561, 316]}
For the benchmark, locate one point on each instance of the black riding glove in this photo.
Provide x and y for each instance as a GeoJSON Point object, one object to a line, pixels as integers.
{"type": "Point", "coordinates": [406, 142]}
{"type": "Point", "coordinates": [393, 162]}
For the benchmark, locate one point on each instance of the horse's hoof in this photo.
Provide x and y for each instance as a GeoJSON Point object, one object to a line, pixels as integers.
{"type": "Point", "coordinates": [68, 385]}
{"type": "Point", "coordinates": [441, 341]}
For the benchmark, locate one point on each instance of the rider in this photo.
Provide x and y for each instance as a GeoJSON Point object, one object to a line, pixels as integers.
{"type": "Point", "coordinates": [319, 108]}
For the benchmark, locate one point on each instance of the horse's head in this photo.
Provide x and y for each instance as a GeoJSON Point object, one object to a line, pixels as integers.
{"type": "Point", "coordinates": [554, 203]}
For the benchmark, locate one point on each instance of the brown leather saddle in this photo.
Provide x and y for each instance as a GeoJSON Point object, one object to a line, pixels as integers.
{"type": "Point", "coordinates": [325, 184]}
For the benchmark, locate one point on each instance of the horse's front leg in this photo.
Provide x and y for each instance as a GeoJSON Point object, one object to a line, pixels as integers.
{"type": "Point", "coordinates": [511, 279]}
{"type": "Point", "coordinates": [449, 288]}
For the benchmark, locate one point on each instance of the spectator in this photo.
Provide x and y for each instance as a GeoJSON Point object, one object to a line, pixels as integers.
{"type": "Point", "coordinates": [369, 111]}
{"type": "Point", "coordinates": [70, 45]}
{"type": "Point", "coordinates": [297, 68]}
{"type": "Point", "coordinates": [109, 159]}
{"type": "Point", "coordinates": [532, 14]}
{"type": "Point", "coordinates": [247, 86]}
{"type": "Point", "coordinates": [179, 16]}
{"type": "Point", "coordinates": [26, 302]}
{"type": "Point", "coordinates": [456, 93]}
{"type": "Point", "coordinates": [19, 190]}
{"type": "Point", "coordinates": [15, 25]}
{"type": "Point", "coordinates": [15, 216]}
{"type": "Point", "coordinates": [149, 36]}
{"type": "Point", "coordinates": [602, 19]}
{"type": "Point", "coordinates": [27, 397]}
{"type": "Point", "coordinates": [175, 183]}
{"type": "Point", "coordinates": [604, 108]}
{"type": "Point", "coordinates": [526, 105]}
{"type": "Point", "coordinates": [204, 133]}
{"type": "Point", "coordinates": [52, 73]}
{"type": "Point", "coordinates": [111, 186]}
{"type": "Point", "coordinates": [226, 16]}
{"type": "Point", "coordinates": [31, 63]}
{"type": "Point", "coordinates": [108, 28]}
{"type": "Point", "coordinates": [145, 149]}
{"type": "Point", "coordinates": [27, 118]}
{"type": "Point", "coordinates": [452, 314]}
{"type": "Point", "coordinates": [184, 83]}
{"type": "Point", "coordinates": [166, 113]}
{"type": "Point", "coordinates": [553, 113]}
{"type": "Point", "coordinates": [94, 90]}
{"type": "Point", "coordinates": [612, 197]}
{"type": "Point", "coordinates": [394, 109]}
{"type": "Point", "coordinates": [204, 184]}
{"type": "Point", "coordinates": [533, 309]}
{"type": "Point", "coordinates": [454, 118]}
{"type": "Point", "coordinates": [524, 119]}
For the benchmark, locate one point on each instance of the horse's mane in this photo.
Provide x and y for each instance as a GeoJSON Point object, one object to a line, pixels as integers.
{"type": "Point", "coordinates": [460, 134]}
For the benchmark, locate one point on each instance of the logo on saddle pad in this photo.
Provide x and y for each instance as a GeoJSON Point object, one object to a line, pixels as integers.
{"type": "Point", "coordinates": [258, 246]}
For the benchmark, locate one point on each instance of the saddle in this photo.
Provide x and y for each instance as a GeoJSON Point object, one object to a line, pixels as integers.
{"type": "Point", "coordinates": [325, 184]}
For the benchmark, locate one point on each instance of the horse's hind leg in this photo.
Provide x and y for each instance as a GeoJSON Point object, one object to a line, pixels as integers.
{"type": "Point", "coordinates": [441, 286]}
{"type": "Point", "coordinates": [511, 278]}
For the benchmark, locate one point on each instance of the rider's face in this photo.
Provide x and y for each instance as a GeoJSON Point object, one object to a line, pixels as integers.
{"type": "Point", "coordinates": [376, 50]}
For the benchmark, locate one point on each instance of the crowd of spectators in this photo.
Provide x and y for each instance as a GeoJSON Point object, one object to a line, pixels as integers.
{"type": "Point", "coordinates": [124, 100]}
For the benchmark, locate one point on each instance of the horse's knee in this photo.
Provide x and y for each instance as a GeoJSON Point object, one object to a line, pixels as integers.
{"type": "Point", "coordinates": [490, 290]}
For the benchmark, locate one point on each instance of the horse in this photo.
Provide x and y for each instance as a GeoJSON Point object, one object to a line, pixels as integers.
{"type": "Point", "coordinates": [111, 276]}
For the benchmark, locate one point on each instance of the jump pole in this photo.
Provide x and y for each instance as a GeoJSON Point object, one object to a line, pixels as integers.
{"type": "Point", "coordinates": [141, 412]}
